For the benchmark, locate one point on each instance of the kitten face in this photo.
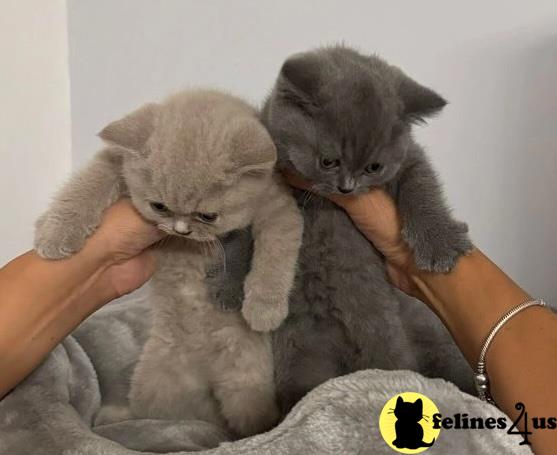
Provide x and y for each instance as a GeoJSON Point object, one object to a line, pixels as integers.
{"type": "Point", "coordinates": [178, 206]}
{"type": "Point", "coordinates": [203, 166]}
{"type": "Point", "coordinates": [405, 410]}
{"type": "Point", "coordinates": [342, 120]}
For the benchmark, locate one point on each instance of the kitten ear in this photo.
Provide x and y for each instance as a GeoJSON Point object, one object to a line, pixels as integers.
{"type": "Point", "coordinates": [132, 131]}
{"type": "Point", "coordinates": [301, 77]}
{"type": "Point", "coordinates": [399, 400]}
{"type": "Point", "coordinates": [419, 101]}
{"type": "Point", "coordinates": [419, 403]}
{"type": "Point", "coordinates": [253, 150]}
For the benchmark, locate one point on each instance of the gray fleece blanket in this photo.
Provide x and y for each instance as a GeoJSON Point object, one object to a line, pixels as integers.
{"type": "Point", "coordinates": [75, 403]}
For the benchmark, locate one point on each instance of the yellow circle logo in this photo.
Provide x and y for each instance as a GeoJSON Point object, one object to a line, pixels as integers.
{"type": "Point", "coordinates": [406, 423]}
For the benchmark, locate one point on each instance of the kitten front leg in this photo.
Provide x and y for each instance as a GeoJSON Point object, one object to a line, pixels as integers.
{"type": "Point", "coordinates": [436, 238]}
{"type": "Point", "coordinates": [77, 209]}
{"type": "Point", "coordinates": [277, 233]}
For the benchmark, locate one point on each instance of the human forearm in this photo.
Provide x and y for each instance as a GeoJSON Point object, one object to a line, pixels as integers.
{"type": "Point", "coordinates": [522, 359]}
{"type": "Point", "coordinates": [42, 301]}
{"type": "Point", "coordinates": [470, 299]}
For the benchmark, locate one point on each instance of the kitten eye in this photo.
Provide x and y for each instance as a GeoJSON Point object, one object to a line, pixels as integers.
{"type": "Point", "coordinates": [159, 207]}
{"type": "Point", "coordinates": [373, 168]}
{"type": "Point", "coordinates": [207, 217]}
{"type": "Point", "coordinates": [329, 164]}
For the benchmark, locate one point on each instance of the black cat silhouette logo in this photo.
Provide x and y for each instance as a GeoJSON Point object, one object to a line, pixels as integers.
{"type": "Point", "coordinates": [406, 423]}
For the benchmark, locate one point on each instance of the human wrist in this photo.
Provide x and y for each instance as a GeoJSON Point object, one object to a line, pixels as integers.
{"type": "Point", "coordinates": [100, 290]}
{"type": "Point", "coordinates": [95, 290]}
{"type": "Point", "coordinates": [99, 251]}
{"type": "Point", "coordinates": [470, 299]}
{"type": "Point", "coordinates": [94, 261]}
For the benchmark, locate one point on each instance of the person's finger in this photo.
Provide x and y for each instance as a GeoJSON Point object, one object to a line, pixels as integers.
{"type": "Point", "coordinates": [298, 182]}
{"type": "Point", "coordinates": [127, 276]}
{"type": "Point", "coordinates": [124, 233]}
{"type": "Point", "coordinates": [374, 213]}
{"type": "Point", "coordinates": [376, 198]}
{"type": "Point", "coordinates": [131, 217]}
{"type": "Point", "coordinates": [150, 232]}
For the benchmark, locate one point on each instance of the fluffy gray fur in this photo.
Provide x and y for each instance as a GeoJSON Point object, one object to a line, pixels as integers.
{"type": "Point", "coordinates": [199, 165]}
{"type": "Point", "coordinates": [343, 121]}
{"type": "Point", "coordinates": [62, 407]}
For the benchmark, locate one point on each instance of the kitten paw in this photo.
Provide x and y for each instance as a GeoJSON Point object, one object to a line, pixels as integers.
{"type": "Point", "coordinates": [55, 239]}
{"type": "Point", "coordinates": [440, 250]}
{"type": "Point", "coordinates": [264, 313]}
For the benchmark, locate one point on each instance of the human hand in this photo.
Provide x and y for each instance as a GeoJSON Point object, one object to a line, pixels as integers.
{"type": "Point", "coordinates": [123, 240]}
{"type": "Point", "coordinates": [376, 216]}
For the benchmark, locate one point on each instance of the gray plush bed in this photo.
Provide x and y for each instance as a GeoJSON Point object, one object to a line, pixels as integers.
{"type": "Point", "coordinates": [75, 403]}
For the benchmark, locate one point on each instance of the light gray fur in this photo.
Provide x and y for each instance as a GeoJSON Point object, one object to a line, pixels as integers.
{"type": "Point", "coordinates": [344, 314]}
{"type": "Point", "coordinates": [198, 152]}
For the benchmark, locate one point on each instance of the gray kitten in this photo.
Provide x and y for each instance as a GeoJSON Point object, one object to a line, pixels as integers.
{"type": "Point", "coordinates": [199, 165]}
{"type": "Point", "coordinates": [343, 121]}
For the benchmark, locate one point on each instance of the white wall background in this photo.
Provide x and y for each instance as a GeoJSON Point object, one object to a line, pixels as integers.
{"type": "Point", "coordinates": [495, 145]}
{"type": "Point", "coordinates": [35, 149]}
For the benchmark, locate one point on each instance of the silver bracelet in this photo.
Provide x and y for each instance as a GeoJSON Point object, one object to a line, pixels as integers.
{"type": "Point", "coordinates": [482, 380]}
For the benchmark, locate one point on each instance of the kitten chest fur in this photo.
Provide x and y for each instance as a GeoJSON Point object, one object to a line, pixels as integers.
{"type": "Point", "coordinates": [182, 306]}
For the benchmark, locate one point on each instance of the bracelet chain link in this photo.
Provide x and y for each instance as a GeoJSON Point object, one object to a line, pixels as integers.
{"type": "Point", "coordinates": [481, 377]}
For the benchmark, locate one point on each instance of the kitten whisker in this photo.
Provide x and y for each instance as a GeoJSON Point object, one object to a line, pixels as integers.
{"type": "Point", "coordinates": [312, 192]}
{"type": "Point", "coordinates": [167, 240]}
{"type": "Point", "coordinates": [307, 196]}
{"type": "Point", "coordinates": [214, 248]}
{"type": "Point", "coordinates": [223, 251]}
{"type": "Point", "coordinates": [211, 248]}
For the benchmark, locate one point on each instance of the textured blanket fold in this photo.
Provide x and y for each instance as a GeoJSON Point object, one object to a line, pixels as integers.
{"type": "Point", "coordinates": [75, 403]}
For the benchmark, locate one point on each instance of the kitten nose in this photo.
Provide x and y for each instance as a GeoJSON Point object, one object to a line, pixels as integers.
{"type": "Point", "coordinates": [346, 184]}
{"type": "Point", "coordinates": [345, 190]}
{"type": "Point", "coordinates": [181, 228]}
